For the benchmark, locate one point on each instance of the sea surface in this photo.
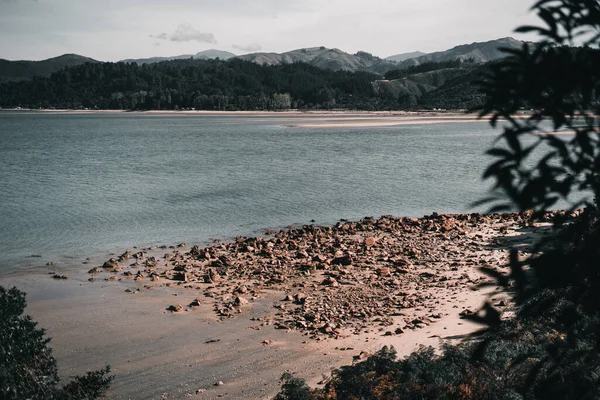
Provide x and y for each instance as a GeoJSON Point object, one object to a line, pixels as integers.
{"type": "Point", "coordinates": [74, 185]}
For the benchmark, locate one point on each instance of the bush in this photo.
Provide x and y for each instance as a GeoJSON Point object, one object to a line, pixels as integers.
{"type": "Point", "coordinates": [28, 369]}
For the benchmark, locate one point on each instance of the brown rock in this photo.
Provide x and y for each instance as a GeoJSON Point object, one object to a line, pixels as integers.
{"type": "Point", "coordinates": [346, 259]}
{"type": "Point", "coordinates": [175, 308]}
{"type": "Point", "coordinates": [195, 303]}
{"type": "Point", "coordinates": [330, 281]}
{"type": "Point", "coordinates": [111, 264]}
{"type": "Point", "coordinates": [240, 301]}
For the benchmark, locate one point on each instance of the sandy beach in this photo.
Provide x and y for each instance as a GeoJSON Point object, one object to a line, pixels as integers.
{"type": "Point", "coordinates": [304, 299]}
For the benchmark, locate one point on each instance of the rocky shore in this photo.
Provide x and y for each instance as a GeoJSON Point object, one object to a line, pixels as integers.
{"type": "Point", "coordinates": [336, 281]}
{"type": "Point", "coordinates": [172, 321]}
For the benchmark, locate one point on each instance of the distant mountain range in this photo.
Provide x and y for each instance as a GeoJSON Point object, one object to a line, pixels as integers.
{"type": "Point", "coordinates": [404, 56]}
{"type": "Point", "coordinates": [321, 57]}
{"type": "Point", "coordinates": [24, 70]}
{"type": "Point", "coordinates": [203, 55]}
{"type": "Point", "coordinates": [479, 52]}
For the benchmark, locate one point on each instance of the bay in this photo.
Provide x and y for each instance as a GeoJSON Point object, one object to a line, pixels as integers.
{"type": "Point", "coordinates": [78, 184]}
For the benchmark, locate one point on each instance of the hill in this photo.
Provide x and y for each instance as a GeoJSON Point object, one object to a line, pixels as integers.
{"type": "Point", "coordinates": [333, 59]}
{"type": "Point", "coordinates": [478, 52]}
{"type": "Point", "coordinates": [212, 54]}
{"type": "Point", "coordinates": [203, 55]}
{"type": "Point", "coordinates": [447, 88]}
{"type": "Point", "coordinates": [404, 56]}
{"type": "Point", "coordinates": [23, 70]}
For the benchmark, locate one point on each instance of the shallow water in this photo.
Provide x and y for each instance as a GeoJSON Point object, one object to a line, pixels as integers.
{"type": "Point", "coordinates": [74, 185]}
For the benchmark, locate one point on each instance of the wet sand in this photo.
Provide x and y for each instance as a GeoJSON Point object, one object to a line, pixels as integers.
{"type": "Point", "coordinates": [415, 278]}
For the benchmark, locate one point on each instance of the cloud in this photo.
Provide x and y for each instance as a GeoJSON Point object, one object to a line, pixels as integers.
{"type": "Point", "coordinates": [185, 32]}
{"type": "Point", "coordinates": [161, 36]}
{"type": "Point", "coordinates": [250, 48]}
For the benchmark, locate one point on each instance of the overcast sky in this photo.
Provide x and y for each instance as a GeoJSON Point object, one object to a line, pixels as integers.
{"type": "Point", "coordinates": [111, 30]}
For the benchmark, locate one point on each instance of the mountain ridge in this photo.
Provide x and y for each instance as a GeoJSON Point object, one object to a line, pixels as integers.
{"type": "Point", "coordinates": [405, 56]}
{"type": "Point", "coordinates": [25, 70]}
{"type": "Point", "coordinates": [203, 55]}
{"type": "Point", "coordinates": [478, 52]}
{"type": "Point", "coordinates": [321, 57]}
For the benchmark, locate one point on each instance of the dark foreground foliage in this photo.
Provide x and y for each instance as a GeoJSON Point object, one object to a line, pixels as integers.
{"type": "Point", "coordinates": [551, 349]}
{"type": "Point", "coordinates": [27, 368]}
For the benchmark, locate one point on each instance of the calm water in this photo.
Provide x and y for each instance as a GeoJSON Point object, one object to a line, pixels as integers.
{"type": "Point", "coordinates": [74, 185]}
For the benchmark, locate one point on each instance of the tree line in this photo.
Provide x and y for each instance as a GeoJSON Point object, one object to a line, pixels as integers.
{"type": "Point", "coordinates": [206, 85]}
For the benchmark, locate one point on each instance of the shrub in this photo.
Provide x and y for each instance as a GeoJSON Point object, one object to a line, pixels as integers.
{"type": "Point", "coordinates": [28, 369]}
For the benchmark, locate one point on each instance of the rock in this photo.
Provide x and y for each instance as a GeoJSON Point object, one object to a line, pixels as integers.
{"type": "Point", "coordinates": [267, 342]}
{"type": "Point", "coordinates": [57, 276]}
{"type": "Point", "coordinates": [330, 281]}
{"type": "Point", "coordinates": [466, 312]}
{"type": "Point", "coordinates": [362, 356]}
{"type": "Point", "coordinates": [370, 241]}
{"type": "Point", "coordinates": [212, 276]}
{"type": "Point", "coordinates": [175, 308]}
{"type": "Point", "coordinates": [182, 276]}
{"type": "Point", "coordinates": [346, 259]}
{"type": "Point", "coordinates": [399, 331]}
{"type": "Point", "coordinates": [240, 301]}
{"type": "Point", "coordinates": [110, 264]}
{"type": "Point", "coordinates": [300, 298]}
{"type": "Point", "coordinates": [219, 383]}
{"type": "Point", "coordinates": [195, 303]}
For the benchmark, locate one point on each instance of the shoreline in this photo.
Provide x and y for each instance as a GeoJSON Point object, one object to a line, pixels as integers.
{"type": "Point", "coordinates": [246, 113]}
{"type": "Point", "coordinates": [246, 303]}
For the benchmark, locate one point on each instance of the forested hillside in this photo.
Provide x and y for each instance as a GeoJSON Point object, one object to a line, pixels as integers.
{"type": "Point", "coordinates": [238, 85]}
{"type": "Point", "coordinates": [23, 70]}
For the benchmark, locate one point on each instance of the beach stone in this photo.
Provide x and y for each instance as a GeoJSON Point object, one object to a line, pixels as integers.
{"type": "Point", "coordinates": [240, 301]}
{"type": "Point", "coordinates": [370, 241]}
{"type": "Point", "coordinates": [175, 308]}
{"type": "Point", "coordinates": [111, 264]}
{"type": "Point", "coordinates": [195, 303]}
{"type": "Point", "coordinates": [300, 298]}
{"type": "Point", "coordinates": [330, 281]}
{"type": "Point", "coordinates": [346, 259]}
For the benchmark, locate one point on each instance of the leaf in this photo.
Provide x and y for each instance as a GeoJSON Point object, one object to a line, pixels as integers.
{"type": "Point", "coordinates": [500, 152]}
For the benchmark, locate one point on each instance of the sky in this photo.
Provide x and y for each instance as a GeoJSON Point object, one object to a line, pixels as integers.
{"type": "Point", "coordinates": [112, 30]}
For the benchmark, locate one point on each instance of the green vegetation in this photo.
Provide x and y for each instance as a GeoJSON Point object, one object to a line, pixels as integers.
{"type": "Point", "coordinates": [425, 67]}
{"type": "Point", "coordinates": [27, 368]}
{"type": "Point", "coordinates": [239, 85]}
{"type": "Point", "coordinates": [194, 84]}
{"type": "Point", "coordinates": [550, 350]}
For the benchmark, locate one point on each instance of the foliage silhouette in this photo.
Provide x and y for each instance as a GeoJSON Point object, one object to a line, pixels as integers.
{"type": "Point", "coordinates": [28, 369]}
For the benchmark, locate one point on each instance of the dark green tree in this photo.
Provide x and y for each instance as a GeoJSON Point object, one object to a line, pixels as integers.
{"type": "Point", "coordinates": [558, 79]}
{"type": "Point", "coordinates": [28, 369]}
